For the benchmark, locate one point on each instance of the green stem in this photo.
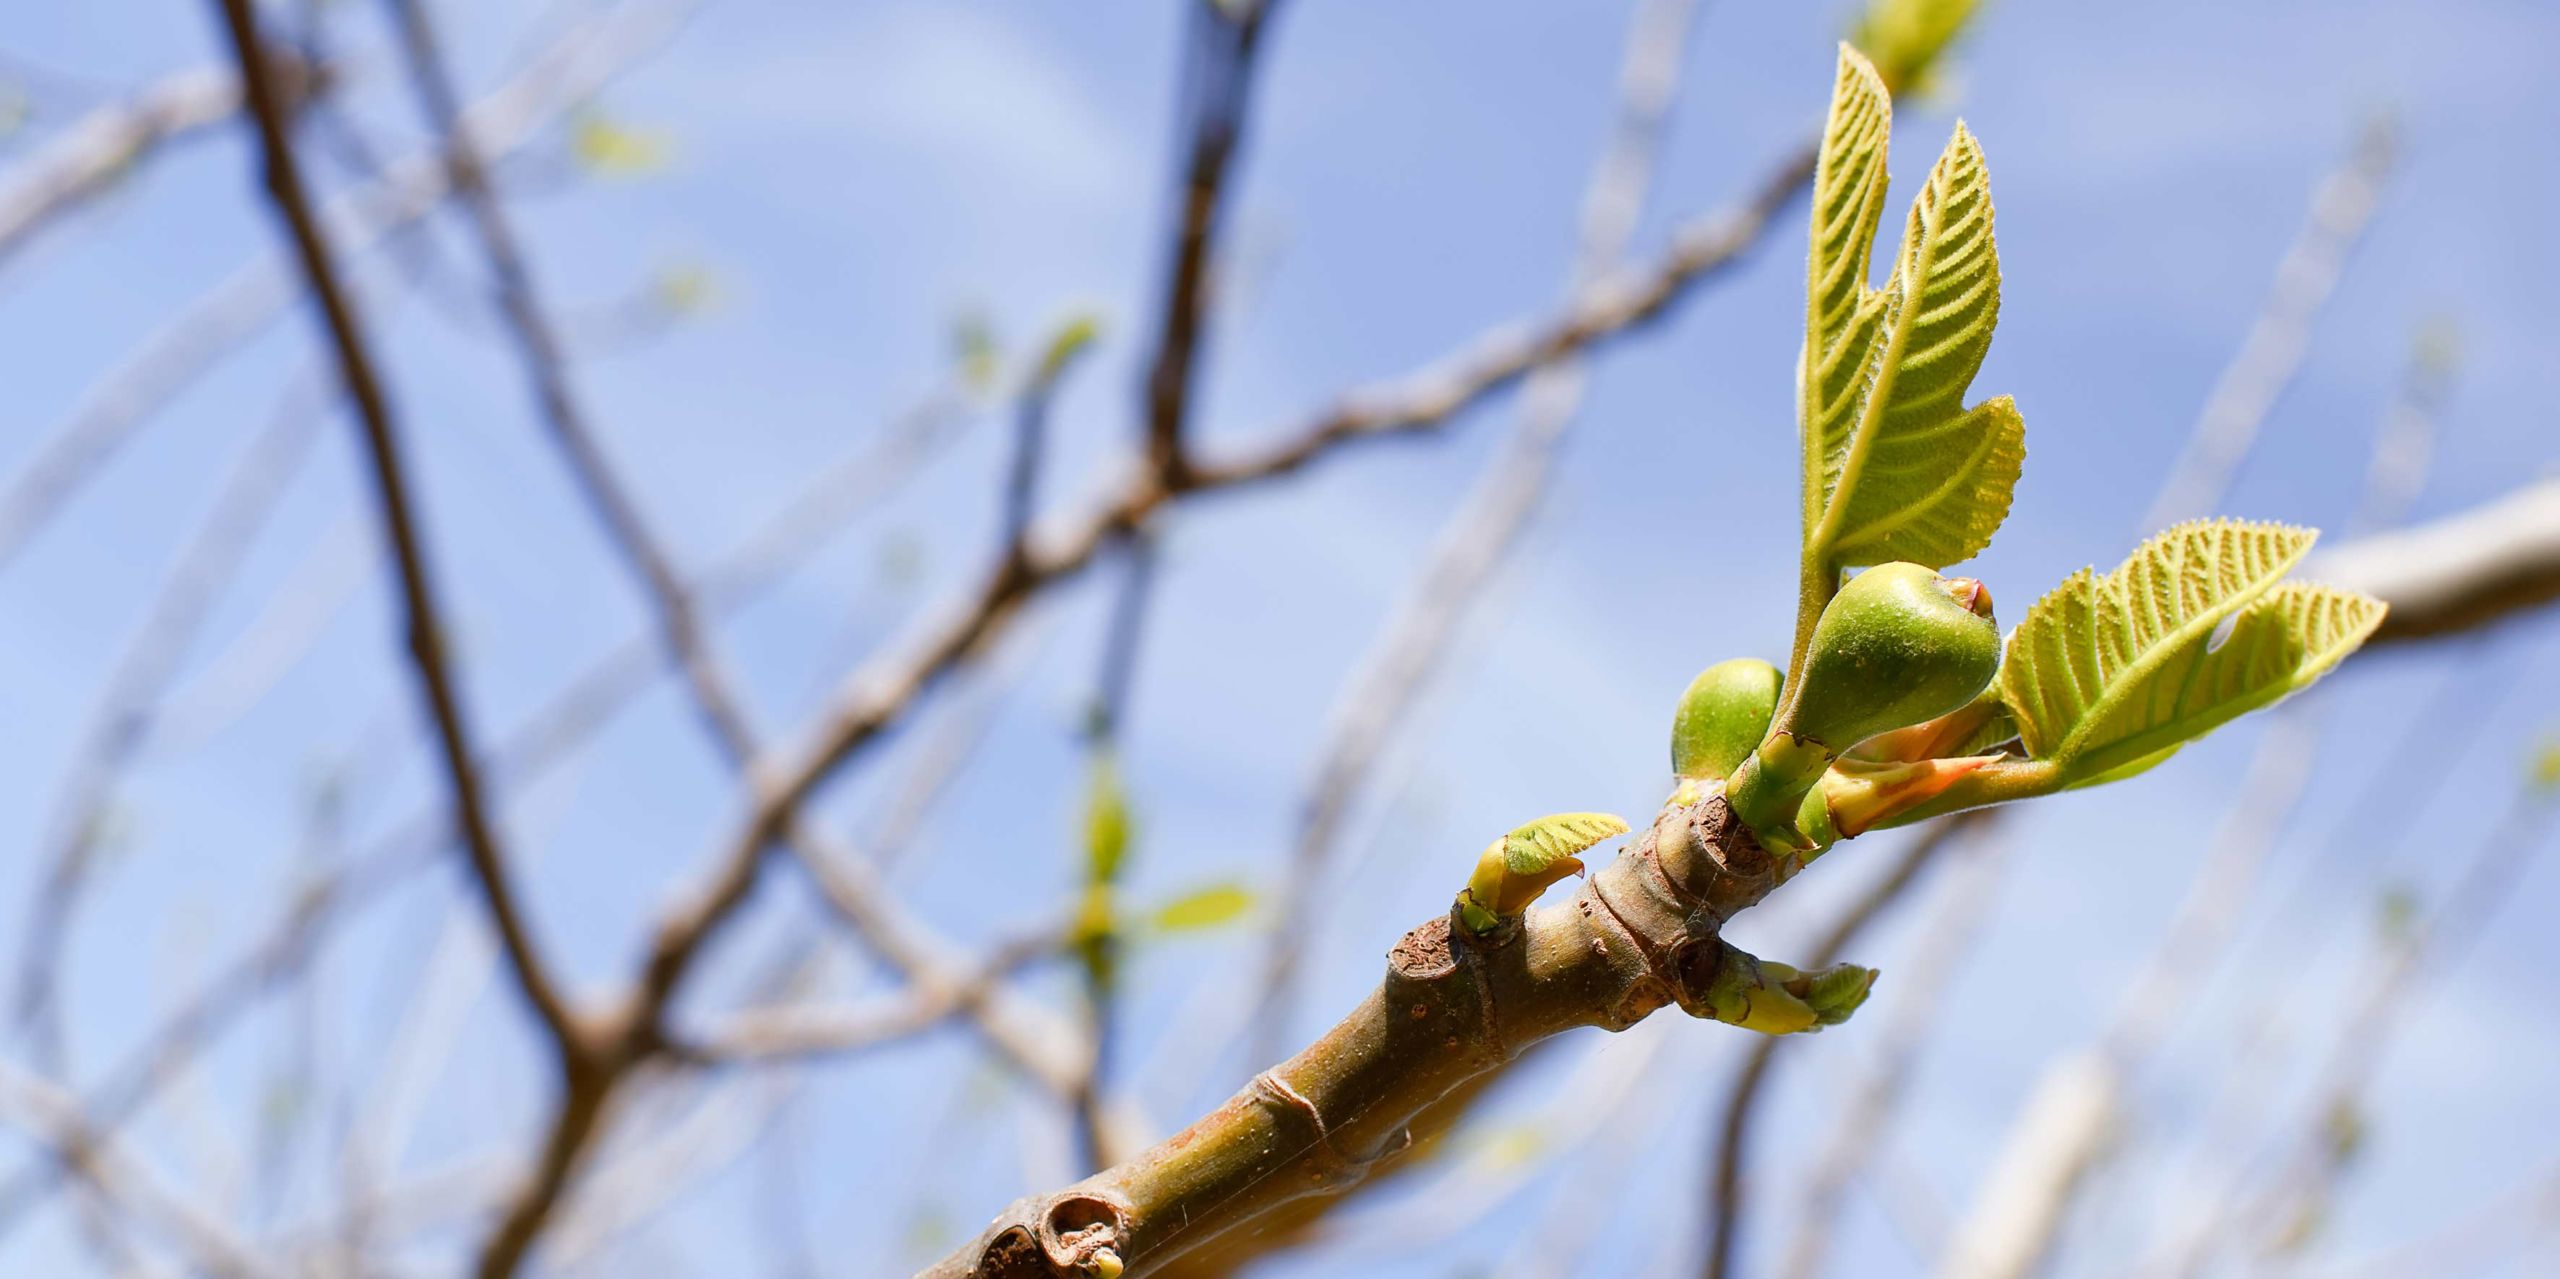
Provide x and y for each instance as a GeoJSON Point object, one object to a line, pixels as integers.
{"type": "Point", "coordinates": [1817, 581]}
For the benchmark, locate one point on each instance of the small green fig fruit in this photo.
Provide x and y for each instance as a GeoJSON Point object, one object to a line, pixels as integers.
{"type": "Point", "coordinates": [1897, 645]}
{"type": "Point", "coordinates": [1722, 716]}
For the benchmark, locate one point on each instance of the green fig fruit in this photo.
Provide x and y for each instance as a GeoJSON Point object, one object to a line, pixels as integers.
{"type": "Point", "coordinates": [1722, 717]}
{"type": "Point", "coordinates": [1898, 646]}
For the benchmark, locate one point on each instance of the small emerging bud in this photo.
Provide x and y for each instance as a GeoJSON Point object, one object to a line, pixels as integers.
{"type": "Point", "coordinates": [1837, 991]}
{"type": "Point", "coordinates": [1515, 868]}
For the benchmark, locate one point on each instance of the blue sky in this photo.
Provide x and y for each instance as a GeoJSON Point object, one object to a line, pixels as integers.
{"type": "Point", "coordinates": [856, 178]}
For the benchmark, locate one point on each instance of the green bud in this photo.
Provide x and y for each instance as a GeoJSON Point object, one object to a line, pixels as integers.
{"type": "Point", "coordinates": [1780, 999]}
{"type": "Point", "coordinates": [1515, 868]}
{"type": "Point", "coordinates": [1722, 716]}
{"type": "Point", "coordinates": [1837, 991]}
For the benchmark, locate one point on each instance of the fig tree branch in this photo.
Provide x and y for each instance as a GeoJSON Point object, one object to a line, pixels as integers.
{"type": "Point", "coordinates": [566, 71]}
{"type": "Point", "coordinates": [2463, 571]}
{"type": "Point", "coordinates": [1726, 1181]}
{"type": "Point", "coordinates": [1477, 540]}
{"type": "Point", "coordinates": [94, 153]}
{"type": "Point", "coordinates": [1641, 934]}
{"type": "Point", "coordinates": [426, 630]}
{"type": "Point", "coordinates": [531, 750]}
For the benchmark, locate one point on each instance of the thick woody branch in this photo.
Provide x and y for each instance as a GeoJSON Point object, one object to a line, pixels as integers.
{"type": "Point", "coordinates": [2459, 572]}
{"type": "Point", "coordinates": [1641, 933]}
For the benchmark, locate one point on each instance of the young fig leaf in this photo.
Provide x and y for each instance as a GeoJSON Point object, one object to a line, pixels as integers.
{"type": "Point", "coordinates": [1517, 867]}
{"type": "Point", "coordinates": [1540, 844]}
{"type": "Point", "coordinates": [2116, 669]}
{"type": "Point", "coordinates": [1203, 908]}
{"type": "Point", "coordinates": [1896, 466]}
{"type": "Point", "coordinates": [1907, 37]}
{"type": "Point", "coordinates": [2277, 646]}
{"type": "Point", "coordinates": [1848, 201]}
{"type": "Point", "coordinates": [1106, 822]}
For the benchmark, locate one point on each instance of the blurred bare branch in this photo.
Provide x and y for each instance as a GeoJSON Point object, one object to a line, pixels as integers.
{"type": "Point", "coordinates": [126, 711]}
{"type": "Point", "coordinates": [545, 364]}
{"type": "Point", "coordinates": [94, 153]}
{"type": "Point", "coordinates": [54, 1118]}
{"type": "Point", "coordinates": [2073, 1120]}
{"type": "Point", "coordinates": [799, 1033]}
{"type": "Point", "coordinates": [1217, 83]}
{"type": "Point", "coordinates": [552, 735]}
{"type": "Point", "coordinates": [1622, 303]}
{"type": "Point", "coordinates": [2311, 1159]}
{"type": "Point", "coordinates": [1863, 1119]}
{"type": "Point", "coordinates": [2466, 570]}
{"type": "Point", "coordinates": [179, 351]}
{"type": "Point", "coordinates": [1730, 1176]}
{"type": "Point", "coordinates": [426, 631]}
{"type": "Point", "coordinates": [2271, 354]}
{"type": "Point", "coordinates": [1477, 540]}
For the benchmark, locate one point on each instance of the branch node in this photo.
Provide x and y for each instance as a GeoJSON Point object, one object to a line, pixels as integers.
{"type": "Point", "coordinates": [1331, 1167]}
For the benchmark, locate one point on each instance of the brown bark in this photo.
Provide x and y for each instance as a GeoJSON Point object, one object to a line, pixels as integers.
{"type": "Point", "coordinates": [1643, 932]}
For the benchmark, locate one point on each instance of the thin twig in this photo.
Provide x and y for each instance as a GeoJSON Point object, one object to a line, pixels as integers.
{"type": "Point", "coordinates": [426, 632]}
{"type": "Point", "coordinates": [2051, 1153]}
{"type": "Point", "coordinates": [101, 149]}
{"type": "Point", "coordinates": [1095, 1142]}
{"type": "Point", "coordinates": [1741, 1100]}
{"type": "Point", "coordinates": [550, 736]}
{"type": "Point", "coordinates": [1864, 1116]}
{"type": "Point", "coordinates": [798, 1033]}
{"type": "Point", "coordinates": [53, 1118]}
{"type": "Point", "coordinates": [2433, 948]}
{"type": "Point", "coordinates": [128, 708]}
{"type": "Point", "coordinates": [2271, 354]}
{"type": "Point", "coordinates": [566, 72]}
{"type": "Point", "coordinates": [545, 363]}
{"type": "Point", "coordinates": [1218, 73]}
{"type": "Point", "coordinates": [1477, 541]}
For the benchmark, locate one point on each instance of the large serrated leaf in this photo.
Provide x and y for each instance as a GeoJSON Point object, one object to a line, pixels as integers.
{"type": "Point", "coordinates": [2276, 647]}
{"type": "Point", "coordinates": [1936, 496]}
{"type": "Point", "coordinates": [1540, 844]}
{"type": "Point", "coordinates": [2109, 668]}
{"type": "Point", "coordinates": [1896, 466]}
